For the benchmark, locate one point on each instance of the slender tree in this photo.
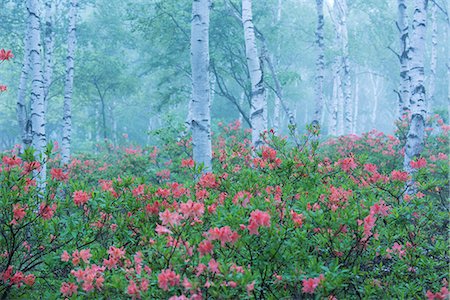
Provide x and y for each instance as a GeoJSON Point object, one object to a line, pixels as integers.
{"type": "Point", "coordinates": [433, 62]}
{"type": "Point", "coordinates": [199, 118]}
{"type": "Point", "coordinates": [37, 89]}
{"type": "Point", "coordinates": [68, 89]}
{"type": "Point", "coordinates": [417, 102]}
{"type": "Point", "coordinates": [320, 62]}
{"type": "Point", "coordinates": [404, 87]}
{"type": "Point", "coordinates": [21, 109]}
{"type": "Point", "coordinates": [258, 99]}
{"type": "Point", "coordinates": [49, 45]}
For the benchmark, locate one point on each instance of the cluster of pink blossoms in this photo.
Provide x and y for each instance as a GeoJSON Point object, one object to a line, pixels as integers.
{"type": "Point", "coordinates": [258, 219]}
{"type": "Point", "coordinates": [310, 284]}
{"type": "Point", "coordinates": [223, 234]}
{"type": "Point", "coordinates": [18, 278]}
{"type": "Point", "coordinates": [80, 197]}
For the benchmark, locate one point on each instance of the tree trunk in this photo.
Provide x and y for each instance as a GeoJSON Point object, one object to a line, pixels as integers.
{"type": "Point", "coordinates": [333, 124]}
{"type": "Point", "coordinates": [67, 114]}
{"type": "Point", "coordinates": [356, 99]}
{"type": "Point", "coordinates": [200, 119]}
{"type": "Point", "coordinates": [21, 109]}
{"type": "Point", "coordinates": [258, 100]}
{"type": "Point", "coordinates": [433, 62]}
{"type": "Point", "coordinates": [320, 62]}
{"type": "Point", "coordinates": [37, 91]}
{"type": "Point", "coordinates": [415, 137]}
{"type": "Point", "coordinates": [404, 87]}
{"type": "Point", "coordinates": [49, 45]}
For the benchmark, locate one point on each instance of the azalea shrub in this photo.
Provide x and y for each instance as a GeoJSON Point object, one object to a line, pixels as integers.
{"type": "Point", "coordinates": [316, 220]}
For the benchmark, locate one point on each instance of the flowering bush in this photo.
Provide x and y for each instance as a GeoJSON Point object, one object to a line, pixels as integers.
{"type": "Point", "coordinates": [311, 222]}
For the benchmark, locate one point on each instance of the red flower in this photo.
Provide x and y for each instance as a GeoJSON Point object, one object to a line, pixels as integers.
{"type": "Point", "coordinates": [168, 277]}
{"type": "Point", "coordinates": [5, 54]}
{"type": "Point", "coordinates": [80, 197]}
{"type": "Point", "coordinates": [3, 88]}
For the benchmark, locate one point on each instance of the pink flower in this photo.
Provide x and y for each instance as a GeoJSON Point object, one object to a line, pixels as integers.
{"type": "Point", "coordinates": [168, 277]}
{"type": "Point", "coordinates": [19, 211]}
{"type": "Point", "coordinates": [47, 211]}
{"type": "Point", "coordinates": [168, 217]}
{"type": "Point", "coordinates": [162, 230]}
{"type": "Point", "coordinates": [187, 163]}
{"type": "Point", "coordinates": [65, 256]}
{"type": "Point", "coordinates": [85, 255]}
{"type": "Point", "coordinates": [205, 247]}
{"type": "Point", "coordinates": [380, 208]}
{"type": "Point", "coordinates": [80, 198]}
{"type": "Point", "coordinates": [223, 234]}
{"type": "Point", "coordinates": [297, 218]}
{"type": "Point", "coordinates": [116, 253]}
{"type": "Point", "coordinates": [214, 266]}
{"type": "Point", "coordinates": [133, 290]}
{"type": "Point", "coordinates": [68, 289]}
{"type": "Point", "coordinates": [208, 180]}
{"type": "Point", "coordinates": [250, 287]}
{"type": "Point", "coordinates": [192, 209]}
{"type": "Point", "coordinates": [420, 163]}
{"type": "Point", "coordinates": [399, 175]}
{"type": "Point", "coordinates": [29, 279]}
{"type": "Point", "coordinates": [347, 164]}
{"type": "Point", "coordinates": [258, 218]}
{"type": "Point", "coordinates": [310, 285]}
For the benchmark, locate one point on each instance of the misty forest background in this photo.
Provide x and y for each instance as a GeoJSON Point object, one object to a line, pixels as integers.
{"type": "Point", "coordinates": [132, 65]}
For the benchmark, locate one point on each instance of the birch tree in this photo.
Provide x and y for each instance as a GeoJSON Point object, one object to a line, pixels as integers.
{"type": "Point", "coordinates": [37, 89]}
{"type": "Point", "coordinates": [49, 45]}
{"type": "Point", "coordinates": [404, 86]}
{"type": "Point", "coordinates": [68, 88]}
{"type": "Point", "coordinates": [417, 102]}
{"type": "Point", "coordinates": [258, 97]}
{"type": "Point", "coordinates": [200, 120]}
{"type": "Point", "coordinates": [433, 62]}
{"type": "Point", "coordinates": [21, 108]}
{"type": "Point", "coordinates": [320, 62]}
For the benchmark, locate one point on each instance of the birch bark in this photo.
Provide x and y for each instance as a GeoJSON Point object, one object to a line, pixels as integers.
{"type": "Point", "coordinates": [68, 89]}
{"type": "Point", "coordinates": [37, 90]}
{"type": "Point", "coordinates": [200, 120]}
{"type": "Point", "coordinates": [49, 45]}
{"type": "Point", "coordinates": [404, 87]}
{"type": "Point", "coordinates": [258, 100]}
{"type": "Point", "coordinates": [415, 137]}
{"type": "Point", "coordinates": [21, 110]}
{"type": "Point", "coordinates": [433, 62]}
{"type": "Point", "coordinates": [320, 62]}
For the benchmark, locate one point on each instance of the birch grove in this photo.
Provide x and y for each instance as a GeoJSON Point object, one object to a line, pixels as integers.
{"type": "Point", "coordinates": [199, 117]}
{"type": "Point", "coordinates": [68, 88]}
{"type": "Point", "coordinates": [258, 99]}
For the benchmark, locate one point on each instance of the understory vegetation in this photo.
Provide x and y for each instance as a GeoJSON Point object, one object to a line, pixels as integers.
{"type": "Point", "coordinates": [328, 219]}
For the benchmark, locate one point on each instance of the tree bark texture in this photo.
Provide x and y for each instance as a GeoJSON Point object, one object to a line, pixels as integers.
{"type": "Point", "coordinates": [200, 119]}
{"type": "Point", "coordinates": [258, 100]}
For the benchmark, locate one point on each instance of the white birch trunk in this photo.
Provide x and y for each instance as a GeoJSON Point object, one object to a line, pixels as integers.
{"type": "Point", "coordinates": [334, 102]}
{"type": "Point", "coordinates": [68, 89]}
{"type": "Point", "coordinates": [415, 136]}
{"type": "Point", "coordinates": [375, 82]}
{"type": "Point", "coordinates": [37, 91]}
{"type": "Point", "coordinates": [276, 114]}
{"type": "Point", "coordinates": [356, 99]}
{"type": "Point", "coordinates": [340, 106]}
{"type": "Point", "coordinates": [200, 120]}
{"type": "Point", "coordinates": [404, 87]}
{"type": "Point", "coordinates": [320, 62]}
{"type": "Point", "coordinates": [258, 102]}
{"type": "Point", "coordinates": [347, 87]}
{"type": "Point", "coordinates": [21, 110]}
{"type": "Point", "coordinates": [49, 45]}
{"type": "Point", "coordinates": [433, 62]}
